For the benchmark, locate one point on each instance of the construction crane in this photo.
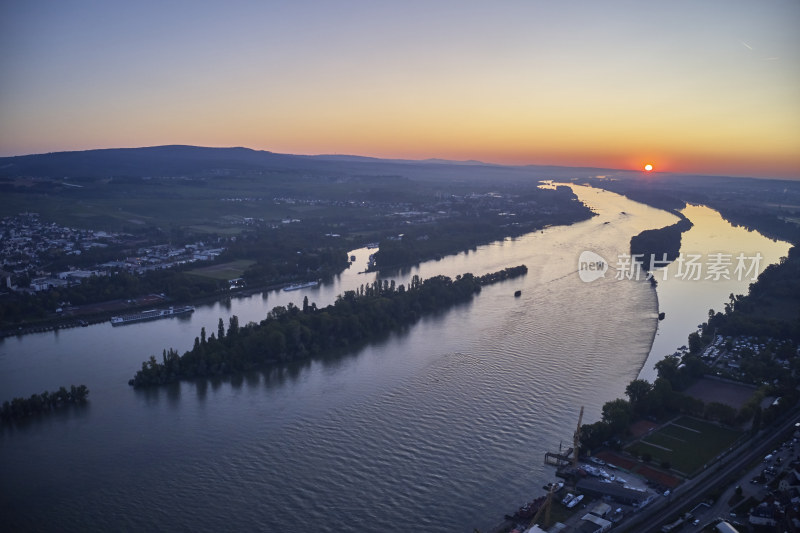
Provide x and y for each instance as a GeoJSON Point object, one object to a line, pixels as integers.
{"type": "Point", "coordinates": [577, 441]}
{"type": "Point", "coordinates": [544, 508]}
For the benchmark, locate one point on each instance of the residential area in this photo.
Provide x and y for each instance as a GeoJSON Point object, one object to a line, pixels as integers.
{"type": "Point", "coordinates": [33, 250]}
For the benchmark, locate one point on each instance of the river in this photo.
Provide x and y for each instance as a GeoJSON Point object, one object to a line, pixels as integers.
{"type": "Point", "coordinates": [439, 428]}
{"type": "Point", "coordinates": [685, 300]}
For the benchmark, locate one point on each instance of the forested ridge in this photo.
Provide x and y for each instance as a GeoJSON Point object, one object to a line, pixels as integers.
{"type": "Point", "coordinates": [293, 333]}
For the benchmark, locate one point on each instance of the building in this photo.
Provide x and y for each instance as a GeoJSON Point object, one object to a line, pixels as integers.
{"type": "Point", "coordinates": [601, 523]}
{"type": "Point", "coordinates": [724, 527]}
{"type": "Point", "coordinates": [600, 509]}
{"type": "Point", "coordinates": [614, 491]}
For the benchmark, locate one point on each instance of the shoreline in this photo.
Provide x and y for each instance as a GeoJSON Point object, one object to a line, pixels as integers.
{"type": "Point", "coordinates": [92, 318]}
{"type": "Point", "coordinates": [653, 337]}
{"type": "Point", "coordinates": [56, 324]}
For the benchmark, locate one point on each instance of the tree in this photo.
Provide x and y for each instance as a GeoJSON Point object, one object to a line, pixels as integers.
{"type": "Point", "coordinates": [756, 419]}
{"type": "Point", "coordinates": [221, 329]}
{"type": "Point", "coordinates": [594, 435]}
{"type": "Point", "coordinates": [617, 413]}
{"type": "Point", "coordinates": [233, 325]}
{"type": "Point", "coordinates": [638, 392]}
{"type": "Point", "coordinates": [662, 396]}
{"type": "Point", "coordinates": [695, 344]}
{"type": "Point", "coordinates": [694, 366]}
{"type": "Point", "coordinates": [690, 405]}
{"type": "Point", "coordinates": [722, 412]}
{"type": "Point", "coordinates": [667, 368]}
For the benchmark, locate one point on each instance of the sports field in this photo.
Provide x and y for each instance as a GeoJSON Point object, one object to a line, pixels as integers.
{"type": "Point", "coordinates": [224, 271]}
{"type": "Point", "coordinates": [686, 444]}
{"type": "Point", "coordinates": [715, 390]}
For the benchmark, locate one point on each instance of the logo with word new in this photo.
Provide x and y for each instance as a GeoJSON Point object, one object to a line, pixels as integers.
{"type": "Point", "coordinates": [591, 266]}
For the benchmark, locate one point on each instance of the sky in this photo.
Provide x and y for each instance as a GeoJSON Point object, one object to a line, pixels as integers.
{"type": "Point", "coordinates": [707, 87]}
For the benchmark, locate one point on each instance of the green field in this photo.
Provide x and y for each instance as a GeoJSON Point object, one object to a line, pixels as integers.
{"type": "Point", "coordinates": [686, 444]}
{"type": "Point", "coordinates": [224, 271]}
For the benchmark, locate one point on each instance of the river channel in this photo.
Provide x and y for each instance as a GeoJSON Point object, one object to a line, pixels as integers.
{"type": "Point", "coordinates": [442, 427]}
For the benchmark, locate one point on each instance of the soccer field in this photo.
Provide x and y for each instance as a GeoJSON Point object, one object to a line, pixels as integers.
{"type": "Point", "coordinates": [686, 444]}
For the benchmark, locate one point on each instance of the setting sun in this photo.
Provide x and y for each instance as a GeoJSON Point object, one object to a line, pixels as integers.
{"type": "Point", "coordinates": [648, 167]}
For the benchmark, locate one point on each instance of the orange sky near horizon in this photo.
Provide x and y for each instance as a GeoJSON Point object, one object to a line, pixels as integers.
{"type": "Point", "coordinates": [707, 88]}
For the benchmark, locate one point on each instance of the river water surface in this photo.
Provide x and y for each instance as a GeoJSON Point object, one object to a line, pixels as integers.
{"type": "Point", "coordinates": [439, 428]}
{"type": "Point", "coordinates": [685, 300]}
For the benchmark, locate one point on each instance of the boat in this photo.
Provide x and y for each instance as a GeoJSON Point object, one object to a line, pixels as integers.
{"type": "Point", "coordinates": [555, 486]}
{"type": "Point", "coordinates": [575, 501]}
{"type": "Point", "coordinates": [298, 286]}
{"type": "Point", "coordinates": [152, 314]}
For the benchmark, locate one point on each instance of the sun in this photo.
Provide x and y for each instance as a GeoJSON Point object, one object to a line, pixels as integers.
{"type": "Point", "coordinates": [648, 167]}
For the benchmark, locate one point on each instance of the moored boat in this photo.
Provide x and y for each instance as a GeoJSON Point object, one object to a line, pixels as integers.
{"type": "Point", "coordinates": [555, 486]}
{"type": "Point", "coordinates": [151, 314]}
{"type": "Point", "coordinates": [298, 286]}
{"type": "Point", "coordinates": [574, 501]}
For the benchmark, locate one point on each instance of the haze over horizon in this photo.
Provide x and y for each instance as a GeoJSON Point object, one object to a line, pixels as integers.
{"type": "Point", "coordinates": [703, 88]}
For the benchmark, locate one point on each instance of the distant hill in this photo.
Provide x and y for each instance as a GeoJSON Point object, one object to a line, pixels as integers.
{"type": "Point", "coordinates": [179, 160]}
{"type": "Point", "coordinates": [140, 162]}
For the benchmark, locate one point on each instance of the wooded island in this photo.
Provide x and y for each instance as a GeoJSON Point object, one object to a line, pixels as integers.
{"type": "Point", "coordinates": [292, 333]}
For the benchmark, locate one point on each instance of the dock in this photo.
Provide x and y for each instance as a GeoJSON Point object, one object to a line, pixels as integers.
{"type": "Point", "coordinates": [558, 458]}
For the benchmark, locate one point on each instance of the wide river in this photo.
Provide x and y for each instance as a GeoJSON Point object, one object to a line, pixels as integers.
{"type": "Point", "coordinates": [439, 428]}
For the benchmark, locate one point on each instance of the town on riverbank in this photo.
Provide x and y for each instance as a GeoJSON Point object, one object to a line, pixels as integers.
{"type": "Point", "coordinates": [81, 249]}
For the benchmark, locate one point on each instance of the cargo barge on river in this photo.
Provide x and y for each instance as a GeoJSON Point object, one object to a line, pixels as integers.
{"type": "Point", "coordinates": [298, 286]}
{"type": "Point", "coordinates": [152, 314]}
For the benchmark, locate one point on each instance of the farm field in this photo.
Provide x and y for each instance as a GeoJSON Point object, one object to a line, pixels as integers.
{"type": "Point", "coordinates": [224, 271]}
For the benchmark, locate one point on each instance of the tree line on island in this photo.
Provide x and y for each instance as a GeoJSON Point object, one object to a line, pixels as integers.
{"type": "Point", "coordinates": [292, 333]}
{"type": "Point", "coordinates": [661, 246]}
{"type": "Point", "coordinates": [43, 403]}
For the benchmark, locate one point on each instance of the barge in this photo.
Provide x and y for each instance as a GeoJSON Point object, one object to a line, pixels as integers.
{"type": "Point", "coordinates": [152, 314]}
{"type": "Point", "coordinates": [298, 286]}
